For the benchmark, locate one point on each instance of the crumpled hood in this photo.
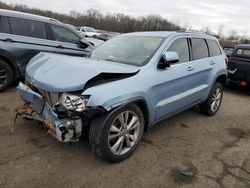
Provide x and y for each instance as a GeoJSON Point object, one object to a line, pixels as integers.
{"type": "Point", "coordinates": [61, 73]}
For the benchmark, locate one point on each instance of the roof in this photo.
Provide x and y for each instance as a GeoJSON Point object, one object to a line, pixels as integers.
{"type": "Point", "coordinates": [151, 33]}
{"type": "Point", "coordinates": [243, 46]}
{"type": "Point", "coordinates": [26, 15]}
{"type": "Point", "coordinates": [166, 34]}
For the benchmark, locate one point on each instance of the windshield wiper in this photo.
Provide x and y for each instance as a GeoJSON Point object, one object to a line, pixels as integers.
{"type": "Point", "coordinates": [112, 60]}
{"type": "Point", "coordinates": [100, 37]}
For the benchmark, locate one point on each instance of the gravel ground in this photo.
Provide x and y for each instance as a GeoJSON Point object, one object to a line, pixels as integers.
{"type": "Point", "coordinates": [187, 150]}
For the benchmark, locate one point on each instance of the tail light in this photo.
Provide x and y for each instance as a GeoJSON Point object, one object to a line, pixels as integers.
{"type": "Point", "coordinates": [243, 83]}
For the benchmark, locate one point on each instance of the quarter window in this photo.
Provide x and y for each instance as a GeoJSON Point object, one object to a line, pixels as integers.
{"type": "Point", "coordinates": [4, 25]}
{"type": "Point", "coordinates": [199, 48]}
{"type": "Point", "coordinates": [29, 28]}
{"type": "Point", "coordinates": [214, 48]}
{"type": "Point", "coordinates": [64, 35]}
{"type": "Point", "coordinates": [180, 46]}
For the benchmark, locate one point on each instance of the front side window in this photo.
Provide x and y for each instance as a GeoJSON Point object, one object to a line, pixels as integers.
{"type": "Point", "coordinates": [4, 25]}
{"type": "Point", "coordinates": [133, 50]}
{"type": "Point", "coordinates": [180, 46]}
{"type": "Point", "coordinates": [29, 28]}
{"type": "Point", "coordinates": [62, 34]}
{"type": "Point", "coordinates": [199, 48]}
{"type": "Point", "coordinates": [214, 48]}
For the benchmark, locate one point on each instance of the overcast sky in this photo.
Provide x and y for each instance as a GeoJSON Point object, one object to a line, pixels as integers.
{"type": "Point", "coordinates": [233, 14]}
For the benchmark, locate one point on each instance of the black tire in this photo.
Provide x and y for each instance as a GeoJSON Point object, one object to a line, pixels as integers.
{"type": "Point", "coordinates": [99, 133]}
{"type": "Point", "coordinates": [6, 75]}
{"type": "Point", "coordinates": [206, 107]}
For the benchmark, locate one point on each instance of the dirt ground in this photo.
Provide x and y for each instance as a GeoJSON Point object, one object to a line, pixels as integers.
{"type": "Point", "coordinates": [187, 150]}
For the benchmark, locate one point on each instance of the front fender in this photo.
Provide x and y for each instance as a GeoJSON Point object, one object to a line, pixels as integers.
{"type": "Point", "coordinates": [110, 102]}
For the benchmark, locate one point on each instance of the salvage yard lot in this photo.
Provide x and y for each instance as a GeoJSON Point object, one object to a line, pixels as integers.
{"type": "Point", "coordinates": [187, 150]}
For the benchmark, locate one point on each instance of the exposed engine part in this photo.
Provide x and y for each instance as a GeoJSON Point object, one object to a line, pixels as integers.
{"type": "Point", "coordinates": [69, 130]}
{"type": "Point", "coordinates": [65, 130]}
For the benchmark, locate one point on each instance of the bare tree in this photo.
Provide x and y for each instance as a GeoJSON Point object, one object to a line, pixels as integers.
{"type": "Point", "coordinates": [220, 31]}
{"type": "Point", "coordinates": [232, 35]}
{"type": "Point", "coordinates": [110, 22]}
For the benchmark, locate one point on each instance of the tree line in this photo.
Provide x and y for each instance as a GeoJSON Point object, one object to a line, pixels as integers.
{"type": "Point", "coordinates": [110, 22]}
{"type": "Point", "coordinates": [123, 23]}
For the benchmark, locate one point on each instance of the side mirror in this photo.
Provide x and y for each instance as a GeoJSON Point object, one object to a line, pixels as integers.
{"type": "Point", "coordinates": [167, 59]}
{"type": "Point", "coordinates": [85, 43]}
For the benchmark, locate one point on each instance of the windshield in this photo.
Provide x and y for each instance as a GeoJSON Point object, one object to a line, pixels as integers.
{"type": "Point", "coordinates": [131, 50]}
{"type": "Point", "coordinates": [90, 29]}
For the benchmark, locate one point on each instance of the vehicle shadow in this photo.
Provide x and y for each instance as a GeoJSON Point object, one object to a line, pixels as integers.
{"type": "Point", "coordinates": [233, 89]}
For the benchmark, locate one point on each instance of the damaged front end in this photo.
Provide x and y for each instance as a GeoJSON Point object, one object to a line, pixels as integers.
{"type": "Point", "coordinates": [62, 114]}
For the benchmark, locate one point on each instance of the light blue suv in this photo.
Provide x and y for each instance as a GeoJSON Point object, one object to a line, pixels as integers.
{"type": "Point", "coordinates": [126, 86]}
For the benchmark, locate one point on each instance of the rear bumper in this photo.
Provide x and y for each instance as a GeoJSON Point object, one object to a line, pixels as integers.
{"type": "Point", "coordinates": [241, 83]}
{"type": "Point", "coordinates": [36, 108]}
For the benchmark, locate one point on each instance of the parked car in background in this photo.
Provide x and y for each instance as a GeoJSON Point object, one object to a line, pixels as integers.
{"type": "Point", "coordinates": [228, 51]}
{"type": "Point", "coordinates": [88, 31]}
{"type": "Point", "coordinates": [128, 84]}
{"type": "Point", "coordinates": [107, 34]}
{"type": "Point", "coordinates": [239, 66]}
{"type": "Point", "coordinates": [96, 41]}
{"type": "Point", "coordinates": [22, 36]}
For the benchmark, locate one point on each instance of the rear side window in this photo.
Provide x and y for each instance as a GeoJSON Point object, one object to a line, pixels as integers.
{"type": "Point", "coordinates": [214, 48]}
{"type": "Point", "coordinates": [4, 25]}
{"type": "Point", "coordinates": [180, 46]}
{"type": "Point", "coordinates": [29, 28]}
{"type": "Point", "coordinates": [200, 49]}
{"type": "Point", "coordinates": [243, 52]}
{"type": "Point", "coordinates": [64, 35]}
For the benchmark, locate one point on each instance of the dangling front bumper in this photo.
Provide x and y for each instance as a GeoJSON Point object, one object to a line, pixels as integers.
{"type": "Point", "coordinates": [37, 108]}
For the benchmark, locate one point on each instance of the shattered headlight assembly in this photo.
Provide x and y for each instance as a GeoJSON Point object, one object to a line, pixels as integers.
{"type": "Point", "coordinates": [73, 102]}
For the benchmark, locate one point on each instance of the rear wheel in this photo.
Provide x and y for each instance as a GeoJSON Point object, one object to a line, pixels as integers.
{"type": "Point", "coordinates": [116, 136]}
{"type": "Point", "coordinates": [6, 75]}
{"type": "Point", "coordinates": [212, 104]}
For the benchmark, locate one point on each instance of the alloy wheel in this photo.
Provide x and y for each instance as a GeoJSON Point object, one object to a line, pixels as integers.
{"type": "Point", "coordinates": [124, 133]}
{"type": "Point", "coordinates": [216, 100]}
{"type": "Point", "coordinates": [3, 76]}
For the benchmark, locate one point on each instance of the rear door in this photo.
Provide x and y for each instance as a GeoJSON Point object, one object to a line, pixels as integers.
{"type": "Point", "coordinates": [203, 66]}
{"type": "Point", "coordinates": [67, 41]}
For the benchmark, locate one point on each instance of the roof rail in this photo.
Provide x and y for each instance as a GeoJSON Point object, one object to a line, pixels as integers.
{"type": "Point", "coordinates": [191, 31]}
{"type": "Point", "coordinates": [54, 20]}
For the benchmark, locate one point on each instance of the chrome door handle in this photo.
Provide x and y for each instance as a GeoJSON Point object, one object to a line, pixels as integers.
{"type": "Point", "coordinates": [190, 69]}
{"type": "Point", "coordinates": [8, 40]}
{"type": "Point", "coordinates": [60, 46]}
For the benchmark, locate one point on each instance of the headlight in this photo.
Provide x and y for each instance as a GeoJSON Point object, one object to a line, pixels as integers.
{"type": "Point", "coordinates": [74, 102]}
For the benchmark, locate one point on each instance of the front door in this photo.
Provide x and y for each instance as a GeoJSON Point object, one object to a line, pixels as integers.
{"type": "Point", "coordinates": [179, 86]}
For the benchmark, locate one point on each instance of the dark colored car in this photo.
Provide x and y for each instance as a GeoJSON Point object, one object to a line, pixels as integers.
{"type": "Point", "coordinates": [228, 51]}
{"type": "Point", "coordinates": [22, 36]}
{"type": "Point", "coordinates": [239, 66]}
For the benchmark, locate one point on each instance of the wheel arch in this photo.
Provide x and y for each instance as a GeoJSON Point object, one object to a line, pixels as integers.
{"type": "Point", "coordinates": [222, 79]}
{"type": "Point", "coordinates": [142, 104]}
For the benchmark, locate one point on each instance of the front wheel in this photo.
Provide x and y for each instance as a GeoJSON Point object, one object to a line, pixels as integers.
{"type": "Point", "coordinates": [6, 75]}
{"type": "Point", "coordinates": [116, 135]}
{"type": "Point", "coordinates": [213, 102]}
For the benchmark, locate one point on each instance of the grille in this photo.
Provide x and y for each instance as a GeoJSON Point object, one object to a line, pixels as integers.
{"type": "Point", "coordinates": [50, 97]}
